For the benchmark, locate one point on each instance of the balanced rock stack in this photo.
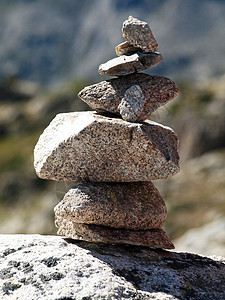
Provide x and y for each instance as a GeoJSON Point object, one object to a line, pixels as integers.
{"type": "Point", "coordinates": [113, 153]}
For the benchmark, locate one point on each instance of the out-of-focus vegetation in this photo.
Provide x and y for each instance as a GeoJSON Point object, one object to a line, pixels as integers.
{"type": "Point", "coordinates": [26, 202]}
{"type": "Point", "coordinates": [194, 196]}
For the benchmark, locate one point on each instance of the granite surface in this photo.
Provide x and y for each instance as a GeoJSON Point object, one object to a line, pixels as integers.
{"type": "Point", "coordinates": [118, 205]}
{"type": "Point", "coordinates": [154, 92]}
{"type": "Point", "coordinates": [85, 146]}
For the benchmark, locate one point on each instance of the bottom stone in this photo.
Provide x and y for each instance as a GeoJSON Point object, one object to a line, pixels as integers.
{"type": "Point", "coordinates": [152, 238]}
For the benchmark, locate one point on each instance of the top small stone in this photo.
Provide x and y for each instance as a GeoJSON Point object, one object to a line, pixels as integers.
{"type": "Point", "coordinates": [139, 34]}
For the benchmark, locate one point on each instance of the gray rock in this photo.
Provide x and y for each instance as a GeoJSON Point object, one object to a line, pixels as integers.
{"type": "Point", "coordinates": [126, 48]}
{"type": "Point", "coordinates": [132, 103]}
{"type": "Point", "coordinates": [152, 238]}
{"type": "Point", "coordinates": [128, 64]}
{"type": "Point", "coordinates": [49, 267]}
{"type": "Point", "coordinates": [139, 34]}
{"type": "Point", "coordinates": [107, 95]}
{"type": "Point", "coordinates": [208, 239]}
{"type": "Point", "coordinates": [85, 146]}
{"type": "Point", "coordinates": [119, 205]}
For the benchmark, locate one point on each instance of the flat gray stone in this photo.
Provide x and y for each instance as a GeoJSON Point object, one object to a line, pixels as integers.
{"type": "Point", "coordinates": [85, 146]}
{"type": "Point", "coordinates": [139, 34]}
{"type": "Point", "coordinates": [126, 48]}
{"type": "Point", "coordinates": [136, 206]}
{"type": "Point", "coordinates": [152, 238]}
{"type": "Point", "coordinates": [128, 64]}
{"type": "Point", "coordinates": [144, 92]}
{"type": "Point", "coordinates": [49, 267]}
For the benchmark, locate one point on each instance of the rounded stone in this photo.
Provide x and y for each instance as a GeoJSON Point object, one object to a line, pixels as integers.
{"type": "Point", "coordinates": [118, 205]}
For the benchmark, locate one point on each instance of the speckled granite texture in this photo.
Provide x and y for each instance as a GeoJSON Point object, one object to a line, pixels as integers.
{"type": "Point", "coordinates": [107, 95]}
{"type": "Point", "coordinates": [84, 146]}
{"type": "Point", "coordinates": [120, 205]}
{"type": "Point", "coordinates": [139, 34]}
{"type": "Point", "coordinates": [50, 267]}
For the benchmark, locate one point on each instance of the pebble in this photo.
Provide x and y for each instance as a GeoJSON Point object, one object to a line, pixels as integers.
{"type": "Point", "coordinates": [126, 48]}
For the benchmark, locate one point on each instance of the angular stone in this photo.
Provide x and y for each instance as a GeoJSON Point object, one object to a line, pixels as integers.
{"type": "Point", "coordinates": [85, 146]}
{"type": "Point", "coordinates": [139, 34]}
{"type": "Point", "coordinates": [119, 205]}
{"type": "Point", "coordinates": [149, 93]}
{"type": "Point", "coordinates": [126, 48]}
{"type": "Point", "coordinates": [152, 238]}
{"type": "Point", "coordinates": [132, 103]}
{"type": "Point", "coordinates": [128, 64]}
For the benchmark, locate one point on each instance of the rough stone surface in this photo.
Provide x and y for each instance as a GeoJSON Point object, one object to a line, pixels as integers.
{"type": "Point", "coordinates": [152, 238]}
{"type": "Point", "coordinates": [139, 34]}
{"type": "Point", "coordinates": [107, 95]}
{"type": "Point", "coordinates": [132, 103]}
{"type": "Point", "coordinates": [208, 239]}
{"type": "Point", "coordinates": [85, 146]}
{"type": "Point", "coordinates": [126, 48]}
{"type": "Point", "coordinates": [128, 64]}
{"type": "Point", "coordinates": [119, 205]}
{"type": "Point", "coordinates": [49, 267]}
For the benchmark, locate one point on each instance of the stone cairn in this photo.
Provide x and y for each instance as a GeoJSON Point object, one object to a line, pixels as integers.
{"type": "Point", "coordinates": [112, 153]}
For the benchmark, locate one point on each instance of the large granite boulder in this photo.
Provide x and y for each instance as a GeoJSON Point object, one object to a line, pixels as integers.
{"type": "Point", "coordinates": [85, 146]}
{"type": "Point", "coordinates": [49, 267]}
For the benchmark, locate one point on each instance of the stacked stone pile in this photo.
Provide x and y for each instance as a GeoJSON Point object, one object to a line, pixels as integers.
{"type": "Point", "coordinates": [113, 152]}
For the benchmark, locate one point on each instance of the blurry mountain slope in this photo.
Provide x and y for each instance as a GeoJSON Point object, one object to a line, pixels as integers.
{"type": "Point", "coordinates": [51, 41]}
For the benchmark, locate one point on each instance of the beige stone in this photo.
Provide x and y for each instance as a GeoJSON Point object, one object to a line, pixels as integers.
{"type": "Point", "coordinates": [152, 238]}
{"type": "Point", "coordinates": [149, 93]}
{"type": "Point", "coordinates": [85, 146]}
{"type": "Point", "coordinates": [128, 64]}
{"type": "Point", "coordinates": [126, 48]}
{"type": "Point", "coordinates": [119, 205]}
{"type": "Point", "coordinates": [139, 34]}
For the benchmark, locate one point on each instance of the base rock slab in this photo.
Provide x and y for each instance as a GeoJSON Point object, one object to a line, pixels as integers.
{"type": "Point", "coordinates": [85, 146]}
{"type": "Point", "coordinates": [49, 267]}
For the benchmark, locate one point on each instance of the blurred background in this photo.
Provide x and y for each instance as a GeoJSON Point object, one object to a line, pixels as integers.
{"type": "Point", "coordinates": [50, 50]}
